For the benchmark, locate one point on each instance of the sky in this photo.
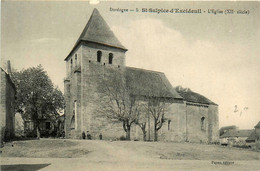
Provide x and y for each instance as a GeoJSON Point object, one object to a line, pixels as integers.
{"type": "Point", "coordinates": [217, 56]}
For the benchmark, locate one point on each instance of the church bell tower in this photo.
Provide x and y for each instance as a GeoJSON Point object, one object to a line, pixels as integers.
{"type": "Point", "coordinates": [96, 49]}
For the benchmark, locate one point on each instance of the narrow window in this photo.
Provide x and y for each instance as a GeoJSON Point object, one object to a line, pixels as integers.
{"type": "Point", "coordinates": [99, 54]}
{"type": "Point", "coordinates": [110, 58]}
{"type": "Point", "coordinates": [75, 59]}
{"type": "Point", "coordinates": [202, 123]}
{"type": "Point", "coordinates": [72, 122]}
{"type": "Point", "coordinates": [169, 125]}
{"type": "Point", "coordinates": [76, 114]}
{"type": "Point", "coordinates": [71, 65]}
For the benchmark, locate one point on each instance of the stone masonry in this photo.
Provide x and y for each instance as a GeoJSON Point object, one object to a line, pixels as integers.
{"type": "Point", "coordinates": [7, 97]}
{"type": "Point", "coordinates": [191, 117]}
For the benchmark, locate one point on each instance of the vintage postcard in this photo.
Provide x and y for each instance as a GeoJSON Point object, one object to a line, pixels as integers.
{"type": "Point", "coordinates": [131, 85]}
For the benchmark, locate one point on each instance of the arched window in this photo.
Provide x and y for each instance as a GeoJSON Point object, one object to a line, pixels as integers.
{"type": "Point", "coordinates": [99, 54]}
{"type": "Point", "coordinates": [110, 58]}
{"type": "Point", "coordinates": [72, 122]}
{"type": "Point", "coordinates": [169, 125]}
{"type": "Point", "coordinates": [202, 122]}
{"type": "Point", "coordinates": [71, 61]}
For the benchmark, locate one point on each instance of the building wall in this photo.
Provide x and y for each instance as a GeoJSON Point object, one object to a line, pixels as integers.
{"type": "Point", "coordinates": [213, 124]}
{"type": "Point", "coordinates": [174, 129]}
{"type": "Point", "coordinates": [196, 131]}
{"type": "Point", "coordinates": [89, 53]}
{"type": "Point", "coordinates": [7, 105]}
{"type": "Point", "coordinates": [72, 92]}
{"type": "Point", "coordinates": [81, 87]}
{"type": "Point", "coordinates": [93, 120]}
{"type": "Point", "coordinates": [83, 102]}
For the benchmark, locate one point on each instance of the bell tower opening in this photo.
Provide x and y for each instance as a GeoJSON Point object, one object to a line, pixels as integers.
{"type": "Point", "coordinates": [99, 55]}
{"type": "Point", "coordinates": [110, 58]}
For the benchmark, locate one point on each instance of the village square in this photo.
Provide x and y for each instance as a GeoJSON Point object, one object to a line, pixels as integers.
{"type": "Point", "coordinates": [108, 114]}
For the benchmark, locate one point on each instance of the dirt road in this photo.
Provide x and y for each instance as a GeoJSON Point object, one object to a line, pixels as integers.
{"type": "Point", "coordinates": [105, 155]}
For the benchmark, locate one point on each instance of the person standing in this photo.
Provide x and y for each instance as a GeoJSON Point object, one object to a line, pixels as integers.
{"type": "Point", "coordinates": [88, 136]}
{"type": "Point", "coordinates": [83, 135]}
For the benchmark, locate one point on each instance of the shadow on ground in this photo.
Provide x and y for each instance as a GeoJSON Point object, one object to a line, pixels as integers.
{"type": "Point", "coordinates": [23, 167]}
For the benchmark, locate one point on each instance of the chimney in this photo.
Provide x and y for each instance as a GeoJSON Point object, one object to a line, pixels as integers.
{"type": "Point", "coordinates": [8, 67]}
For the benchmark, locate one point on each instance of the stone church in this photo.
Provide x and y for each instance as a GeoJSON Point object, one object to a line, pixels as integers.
{"type": "Point", "coordinates": [191, 117]}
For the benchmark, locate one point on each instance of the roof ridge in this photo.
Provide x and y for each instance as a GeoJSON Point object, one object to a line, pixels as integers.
{"type": "Point", "coordinates": [159, 72]}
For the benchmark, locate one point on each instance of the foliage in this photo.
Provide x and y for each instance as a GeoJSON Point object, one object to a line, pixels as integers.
{"type": "Point", "coordinates": [37, 98]}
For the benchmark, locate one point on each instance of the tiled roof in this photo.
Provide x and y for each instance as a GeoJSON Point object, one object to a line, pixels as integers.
{"type": "Point", "coordinates": [98, 31]}
{"type": "Point", "coordinates": [149, 83]}
{"type": "Point", "coordinates": [191, 96]}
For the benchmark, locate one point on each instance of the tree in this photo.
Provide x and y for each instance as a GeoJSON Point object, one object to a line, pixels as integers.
{"type": "Point", "coordinates": [142, 124]}
{"type": "Point", "coordinates": [157, 107]}
{"type": "Point", "coordinates": [157, 102]}
{"type": "Point", "coordinates": [37, 98]}
{"type": "Point", "coordinates": [118, 103]}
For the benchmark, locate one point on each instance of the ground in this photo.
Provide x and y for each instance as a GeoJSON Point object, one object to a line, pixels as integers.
{"type": "Point", "coordinates": [61, 154]}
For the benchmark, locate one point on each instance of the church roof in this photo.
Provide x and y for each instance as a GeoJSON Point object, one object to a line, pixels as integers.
{"type": "Point", "coordinates": [191, 96]}
{"type": "Point", "coordinates": [149, 83]}
{"type": "Point", "coordinates": [98, 31]}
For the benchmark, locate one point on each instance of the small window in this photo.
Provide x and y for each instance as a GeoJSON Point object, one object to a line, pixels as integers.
{"type": "Point", "coordinates": [203, 123]}
{"type": "Point", "coordinates": [169, 125]}
{"type": "Point", "coordinates": [110, 58]}
{"type": "Point", "coordinates": [72, 122]}
{"type": "Point", "coordinates": [71, 61]}
{"type": "Point", "coordinates": [99, 54]}
{"type": "Point", "coordinates": [75, 57]}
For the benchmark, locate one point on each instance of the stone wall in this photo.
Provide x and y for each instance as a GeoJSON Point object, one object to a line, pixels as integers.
{"type": "Point", "coordinates": [213, 124]}
{"type": "Point", "coordinates": [72, 92]}
{"type": "Point", "coordinates": [94, 121]}
{"type": "Point", "coordinates": [81, 88]}
{"type": "Point", "coordinates": [89, 53]}
{"type": "Point", "coordinates": [197, 130]}
{"type": "Point", "coordinates": [83, 102]}
{"type": "Point", "coordinates": [174, 128]}
{"type": "Point", "coordinates": [2, 98]}
{"type": "Point", "coordinates": [7, 106]}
